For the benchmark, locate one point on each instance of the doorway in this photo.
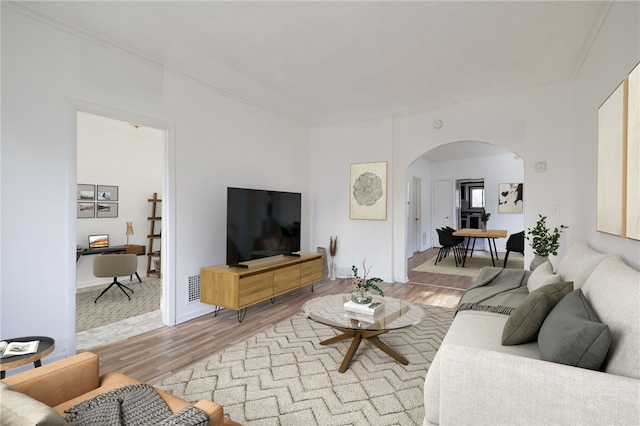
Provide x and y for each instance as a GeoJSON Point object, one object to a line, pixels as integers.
{"type": "Point", "coordinates": [416, 213]}
{"type": "Point", "coordinates": [441, 208]}
{"type": "Point", "coordinates": [471, 201]}
{"type": "Point", "coordinates": [119, 166]}
{"type": "Point", "coordinates": [462, 169]}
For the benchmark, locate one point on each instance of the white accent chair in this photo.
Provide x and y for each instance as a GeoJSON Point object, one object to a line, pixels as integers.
{"type": "Point", "coordinates": [115, 265]}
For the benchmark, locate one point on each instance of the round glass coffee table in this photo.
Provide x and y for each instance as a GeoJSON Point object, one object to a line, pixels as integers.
{"type": "Point", "coordinates": [395, 314]}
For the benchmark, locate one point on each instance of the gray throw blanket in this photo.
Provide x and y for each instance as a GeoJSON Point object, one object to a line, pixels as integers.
{"type": "Point", "coordinates": [138, 405]}
{"type": "Point", "coordinates": [496, 290]}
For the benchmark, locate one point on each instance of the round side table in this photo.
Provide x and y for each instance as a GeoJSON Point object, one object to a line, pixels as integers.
{"type": "Point", "coordinates": [45, 347]}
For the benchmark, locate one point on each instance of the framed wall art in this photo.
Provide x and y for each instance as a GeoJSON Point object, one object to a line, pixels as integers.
{"type": "Point", "coordinates": [86, 192]}
{"type": "Point", "coordinates": [633, 156]}
{"type": "Point", "coordinates": [107, 193]}
{"type": "Point", "coordinates": [618, 186]}
{"type": "Point", "coordinates": [86, 210]}
{"type": "Point", "coordinates": [107, 210]}
{"type": "Point", "coordinates": [610, 212]}
{"type": "Point", "coordinates": [510, 198]}
{"type": "Point", "coordinates": [368, 191]}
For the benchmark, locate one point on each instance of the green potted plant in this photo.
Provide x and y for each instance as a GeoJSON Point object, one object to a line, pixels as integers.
{"type": "Point", "coordinates": [543, 241]}
{"type": "Point", "coordinates": [362, 284]}
{"type": "Point", "coordinates": [484, 218]}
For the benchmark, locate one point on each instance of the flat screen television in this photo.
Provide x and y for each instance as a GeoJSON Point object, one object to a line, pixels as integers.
{"type": "Point", "coordinates": [261, 223]}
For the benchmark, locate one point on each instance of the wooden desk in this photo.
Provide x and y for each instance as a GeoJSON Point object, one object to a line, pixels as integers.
{"type": "Point", "coordinates": [127, 248]}
{"type": "Point", "coordinates": [489, 234]}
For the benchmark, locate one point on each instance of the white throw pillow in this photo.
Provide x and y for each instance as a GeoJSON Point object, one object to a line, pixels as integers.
{"type": "Point", "coordinates": [541, 276]}
{"type": "Point", "coordinates": [613, 290]}
{"type": "Point", "coordinates": [578, 263]}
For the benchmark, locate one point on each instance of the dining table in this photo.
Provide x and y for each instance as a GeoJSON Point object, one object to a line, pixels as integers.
{"type": "Point", "coordinates": [473, 234]}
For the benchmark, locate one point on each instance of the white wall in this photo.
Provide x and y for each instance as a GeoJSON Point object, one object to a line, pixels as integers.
{"type": "Point", "coordinates": [332, 151]}
{"type": "Point", "coordinates": [112, 152]}
{"type": "Point", "coordinates": [218, 141]}
{"type": "Point", "coordinates": [534, 124]}
{"type": "Point", "coordinates": [421, 168]}
{"type": "Point", "coordinates": [614, 54]}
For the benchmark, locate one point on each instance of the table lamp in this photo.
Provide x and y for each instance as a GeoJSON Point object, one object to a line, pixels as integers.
{"type": "Point", "coordinates": [129, 231]}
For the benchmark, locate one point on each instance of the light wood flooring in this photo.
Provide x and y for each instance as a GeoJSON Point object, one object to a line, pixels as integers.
{"type": "Point", "coordinates": [159, 353]}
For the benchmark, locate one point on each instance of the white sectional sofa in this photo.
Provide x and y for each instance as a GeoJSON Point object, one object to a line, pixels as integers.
{"type": "Point", "coordinates": [474, 379]}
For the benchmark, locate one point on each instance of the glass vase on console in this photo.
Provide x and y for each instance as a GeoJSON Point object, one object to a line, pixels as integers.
{"type": "Point", "coordinates": [361, 296]}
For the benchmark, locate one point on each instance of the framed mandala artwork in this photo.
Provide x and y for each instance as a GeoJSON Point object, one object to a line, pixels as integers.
{"type": "Point", "coordinates": [368, 191]}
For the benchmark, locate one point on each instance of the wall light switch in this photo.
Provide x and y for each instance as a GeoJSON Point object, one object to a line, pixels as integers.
{"type": "Point", "coordinates": [541, 166]}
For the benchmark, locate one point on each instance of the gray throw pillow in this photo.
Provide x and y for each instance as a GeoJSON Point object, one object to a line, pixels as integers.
{"type": "Point", "coordinates": [572, 334]}
{"type": "Point", "coordinates": [18, 409]}
{"type": "Point", "coordinates": [524, 323]}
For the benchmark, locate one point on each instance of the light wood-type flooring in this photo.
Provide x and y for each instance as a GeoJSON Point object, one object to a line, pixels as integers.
{"type": "Point", "coordinates": [159, 353]}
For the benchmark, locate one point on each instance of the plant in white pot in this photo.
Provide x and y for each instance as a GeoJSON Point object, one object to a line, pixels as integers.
{"type": "Point", "coordinates": [543, 241]}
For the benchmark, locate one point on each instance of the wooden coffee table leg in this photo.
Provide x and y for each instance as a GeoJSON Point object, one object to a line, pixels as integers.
{"type": "Point", "coordinates": [375, 340]}
{"type": "Point", "coordinates": [346, 334]}
{"type": "Point", "coordinates": [357, 336]}
{"type": "Point", "coordinates": [355, 343]}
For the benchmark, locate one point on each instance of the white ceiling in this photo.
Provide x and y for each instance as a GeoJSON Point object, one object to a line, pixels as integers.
{"type": "Point", "coordinates": [331, 62]}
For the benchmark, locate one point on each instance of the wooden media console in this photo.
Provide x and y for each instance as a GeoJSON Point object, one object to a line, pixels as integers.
{"type": "Point", "coordinates": [238, 288]}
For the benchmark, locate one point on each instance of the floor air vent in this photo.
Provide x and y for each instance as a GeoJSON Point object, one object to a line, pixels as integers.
{"type": "Point", "coordinates": [194, 288]}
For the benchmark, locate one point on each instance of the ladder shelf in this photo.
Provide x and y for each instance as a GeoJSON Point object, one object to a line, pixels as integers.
{"type": "Point", "coordinates": [154, 258]}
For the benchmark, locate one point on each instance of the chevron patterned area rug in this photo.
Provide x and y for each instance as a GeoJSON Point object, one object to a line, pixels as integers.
{"type": "Point", "coordinates": [283, 376]}
{"type": "Point", "coordinates": [472, 265]}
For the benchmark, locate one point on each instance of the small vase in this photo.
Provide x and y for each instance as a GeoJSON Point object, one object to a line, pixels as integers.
{"type": "Point", "coordinates": [332, 272]}
{"type": "Point", "coordinates": [361, 296]}
{"type": "Point", "coordinates": [537, 261]}
{"type": "Point", "coordinates": [483, 226]}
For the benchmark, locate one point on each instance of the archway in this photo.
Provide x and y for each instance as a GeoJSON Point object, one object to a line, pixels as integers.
{"type": "Point", "coordinates": [450, 164]}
